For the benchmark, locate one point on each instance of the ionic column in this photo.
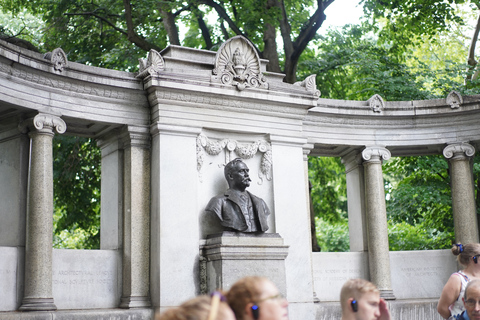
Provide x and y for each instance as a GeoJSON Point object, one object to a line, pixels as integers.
{"type": "Point", "coordinates": [38, 249]}
{"type": "Point", "coordinates": [136, 219]}
{"type": "Point", "coordinates": [376, 214]}
{"type": "Point", "coordinates": [463, 197]}
{"type": "Point", "coordinates": [357, 225]}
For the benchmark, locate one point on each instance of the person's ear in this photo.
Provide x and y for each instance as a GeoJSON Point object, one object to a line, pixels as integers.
{"type": "Point", "coordinates": [353, 304]}
{"type": "Point", "coordinates": [252, 311]}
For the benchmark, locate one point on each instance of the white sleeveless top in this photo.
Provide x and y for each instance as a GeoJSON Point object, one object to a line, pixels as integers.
{"type": "Point", "coordinates": [457, 307]}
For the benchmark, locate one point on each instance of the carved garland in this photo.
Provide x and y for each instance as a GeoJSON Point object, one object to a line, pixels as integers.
{"type": "Point", "coordinates": [244, 151]}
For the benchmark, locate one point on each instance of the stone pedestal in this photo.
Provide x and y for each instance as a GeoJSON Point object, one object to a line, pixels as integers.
{"type": "Point", "coordinates": [38, 250]}
{"type": "Point", "coordinates": [376, 213]}
{"type": "Point", "coordinates": [229, 256]}
{"type": "Point", "coordinates": [463, 197]}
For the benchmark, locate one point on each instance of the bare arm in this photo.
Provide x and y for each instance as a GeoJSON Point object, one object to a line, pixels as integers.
{"type": "Point", "coordinates": [450, 293]}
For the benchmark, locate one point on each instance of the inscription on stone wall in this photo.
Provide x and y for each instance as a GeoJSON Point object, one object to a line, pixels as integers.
{"type": "Point", "coordinates": [85, 279]}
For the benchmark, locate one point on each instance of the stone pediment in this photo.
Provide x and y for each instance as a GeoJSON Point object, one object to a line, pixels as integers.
{"type": "Point", "coordinates": [237, 63]}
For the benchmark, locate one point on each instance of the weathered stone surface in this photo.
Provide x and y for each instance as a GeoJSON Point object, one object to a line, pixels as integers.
{"type": "Point", "coordinates": [86, 279]}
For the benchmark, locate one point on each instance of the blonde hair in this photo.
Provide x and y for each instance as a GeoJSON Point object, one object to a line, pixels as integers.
{"type": "Point", "coordinates": [198, 308]}
{"type": "Point", "coordinates": [244, 291]}
{"type": "Point", "coordinates": [465, 251]}
{"type": "Point", "coordinates": [355, 288]}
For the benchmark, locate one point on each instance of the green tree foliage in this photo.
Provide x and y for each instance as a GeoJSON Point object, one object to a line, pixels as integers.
{"type": "Point", "coordinates": [76, 176]}
{"type": "Point", "coordinates": [114, 34]}
{"type": "Point", "coordinates": [353, 64]}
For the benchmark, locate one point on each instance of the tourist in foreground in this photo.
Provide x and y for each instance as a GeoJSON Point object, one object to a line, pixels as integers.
{"type": "Point", "coordinates": [360, 300]}
{"type": "Point", "coordinates": [202, 307]}
{"type": "Point", "coordinates": [450, 305]}
{"type": "Point", "coordinates": [257, 298]}
{"type": "Point", "coordinates": [471, 300]}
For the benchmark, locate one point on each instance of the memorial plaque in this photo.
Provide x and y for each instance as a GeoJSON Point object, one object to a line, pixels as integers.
{"type": "Point", "coordinates": [421, 273]}
{"type": "Point", "coordinates": [86, 278]}
{"type": "Point", "coordinates": [332, 269]}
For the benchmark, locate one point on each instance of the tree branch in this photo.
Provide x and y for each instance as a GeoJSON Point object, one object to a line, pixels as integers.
{"type": "Point", "coordinates": [224, 15]}
{"type": "Point", "coordinates": [92, 14]}
{"type": "Point", "coordinates": [471, 53]}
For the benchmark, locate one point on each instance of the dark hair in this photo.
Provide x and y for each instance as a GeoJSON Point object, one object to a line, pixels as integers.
{"type": "Point", "coordinates": [229, 166]}
{"type": "Point", "coordinates": [465, 251]}
{"type": "Point", "coordinates": [243, 292]}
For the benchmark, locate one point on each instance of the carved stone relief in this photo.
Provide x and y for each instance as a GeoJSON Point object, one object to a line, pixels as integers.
{"type": "Point", "coordinates": [310, 84]}
{"type": "Point", "coordinates": [376, 152]}
{"type": "Point", "coordinates": [58, 58]}
{"type": "Point", "coordinates": [232, 148]}
{"type": "Point", "coordinates": [376, 103]}
{"type": "Point", "coordinates": [237, 63]}
{"type": "Point", "coordinates": [153, 65]}
{"type": "Point", "coordinates": [454, 99]}
{"type": "Point", "coordinates": [461, 149]}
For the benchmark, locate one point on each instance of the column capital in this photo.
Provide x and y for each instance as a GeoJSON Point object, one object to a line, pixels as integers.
{"type": "Point", "coordinates": [458, 150]}
{"type": "Point", "coordinates": [138, 136]}
{"type": "Point", "coordinates": [307, 148]}
{"type": "Point", "coordinates": [352, 160]}
{"type": "Point", "coordinates": [375, 153]}
{"type": "Point", "coordinates": [44, 123]}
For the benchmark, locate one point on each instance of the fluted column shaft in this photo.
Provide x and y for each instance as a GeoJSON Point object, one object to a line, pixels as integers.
{"type": "Point", "coordinates": [376, 216]}
{"type": "Point", "coordinates": [463, 196]}
{"type": "Point", "coordinates": [136, 219]}
{"type": "Point", "coordinates": [38, 249]}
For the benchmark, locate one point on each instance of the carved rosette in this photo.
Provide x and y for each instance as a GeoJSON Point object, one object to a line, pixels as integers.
{"type": "Point", "coordinates": [372, 153]}
{"type": "Point", "coordinates": [310, 85]}
{"type": "Point", "coordinates": [153, 65]}
{"type": "Point", "coordinates": [376, 103]}
{"type": "Point", "coordinates": [233, 147]}
{"type": "Point", "coordinates": [458, 150]}
{"type": "Point", "coordinates": [454, 99]}
{"type": "Point", "coordinates": [237, 63]}
{"type": "Point", "coordinates": [58, 59]}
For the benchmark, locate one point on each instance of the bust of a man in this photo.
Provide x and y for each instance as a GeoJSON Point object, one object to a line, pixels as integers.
{"type": "Point", "coordinates": [238, 209]}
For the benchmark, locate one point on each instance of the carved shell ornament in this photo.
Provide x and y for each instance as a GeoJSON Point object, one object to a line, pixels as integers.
{"type": "Point", "coordinates": [310, 85]}
{"type": "Point", "coordinates": [237, 63]}
{"type": "Point", "coordinates": [232, 147]}
{"type": "Point", "coordinates": [153, 65]}
{"type": "Point", "coordinates": [58, 59]}
{"type": "Point", "coordinates": [454, 99]}
{"type": "Point", "coordinates": [376, 103]}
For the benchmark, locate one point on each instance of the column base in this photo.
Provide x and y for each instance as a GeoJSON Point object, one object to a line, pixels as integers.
{"type": "Point", "coordinates": [387, 295]}
{"type": "Point", "coordinates": [135, 302]}
{"type": "Point", "coordinates": [38, 304]}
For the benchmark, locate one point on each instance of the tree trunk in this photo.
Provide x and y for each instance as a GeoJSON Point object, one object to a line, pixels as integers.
{"type": "Point", "coordinates": [168, 18]}
{"type": "Point", "coordinates": [270, 50]}
{"type": "Point", "coordinates": [471, 54]}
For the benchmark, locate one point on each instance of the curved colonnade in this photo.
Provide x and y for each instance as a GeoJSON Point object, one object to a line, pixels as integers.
{"type": "Point", "coordinates": [149, 121]}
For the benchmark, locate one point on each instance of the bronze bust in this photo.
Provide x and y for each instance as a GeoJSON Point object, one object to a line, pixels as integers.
{"type": "Point", "coordinates": [238, 209]}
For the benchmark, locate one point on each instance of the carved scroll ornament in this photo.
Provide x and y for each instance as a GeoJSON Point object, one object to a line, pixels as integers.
{"type": "Point", "coordinates": [153, 65]}
{"type": "Point", "coordinates": [232, 147]}
{"type": "Point", "coordinates": [461, 149]}
{"type": "Point", "coordinates": [310, 85]}
{"type": "Point", "coordinates": [372, 152]}
{"type": "Point", "coordinates": [237, 63]}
